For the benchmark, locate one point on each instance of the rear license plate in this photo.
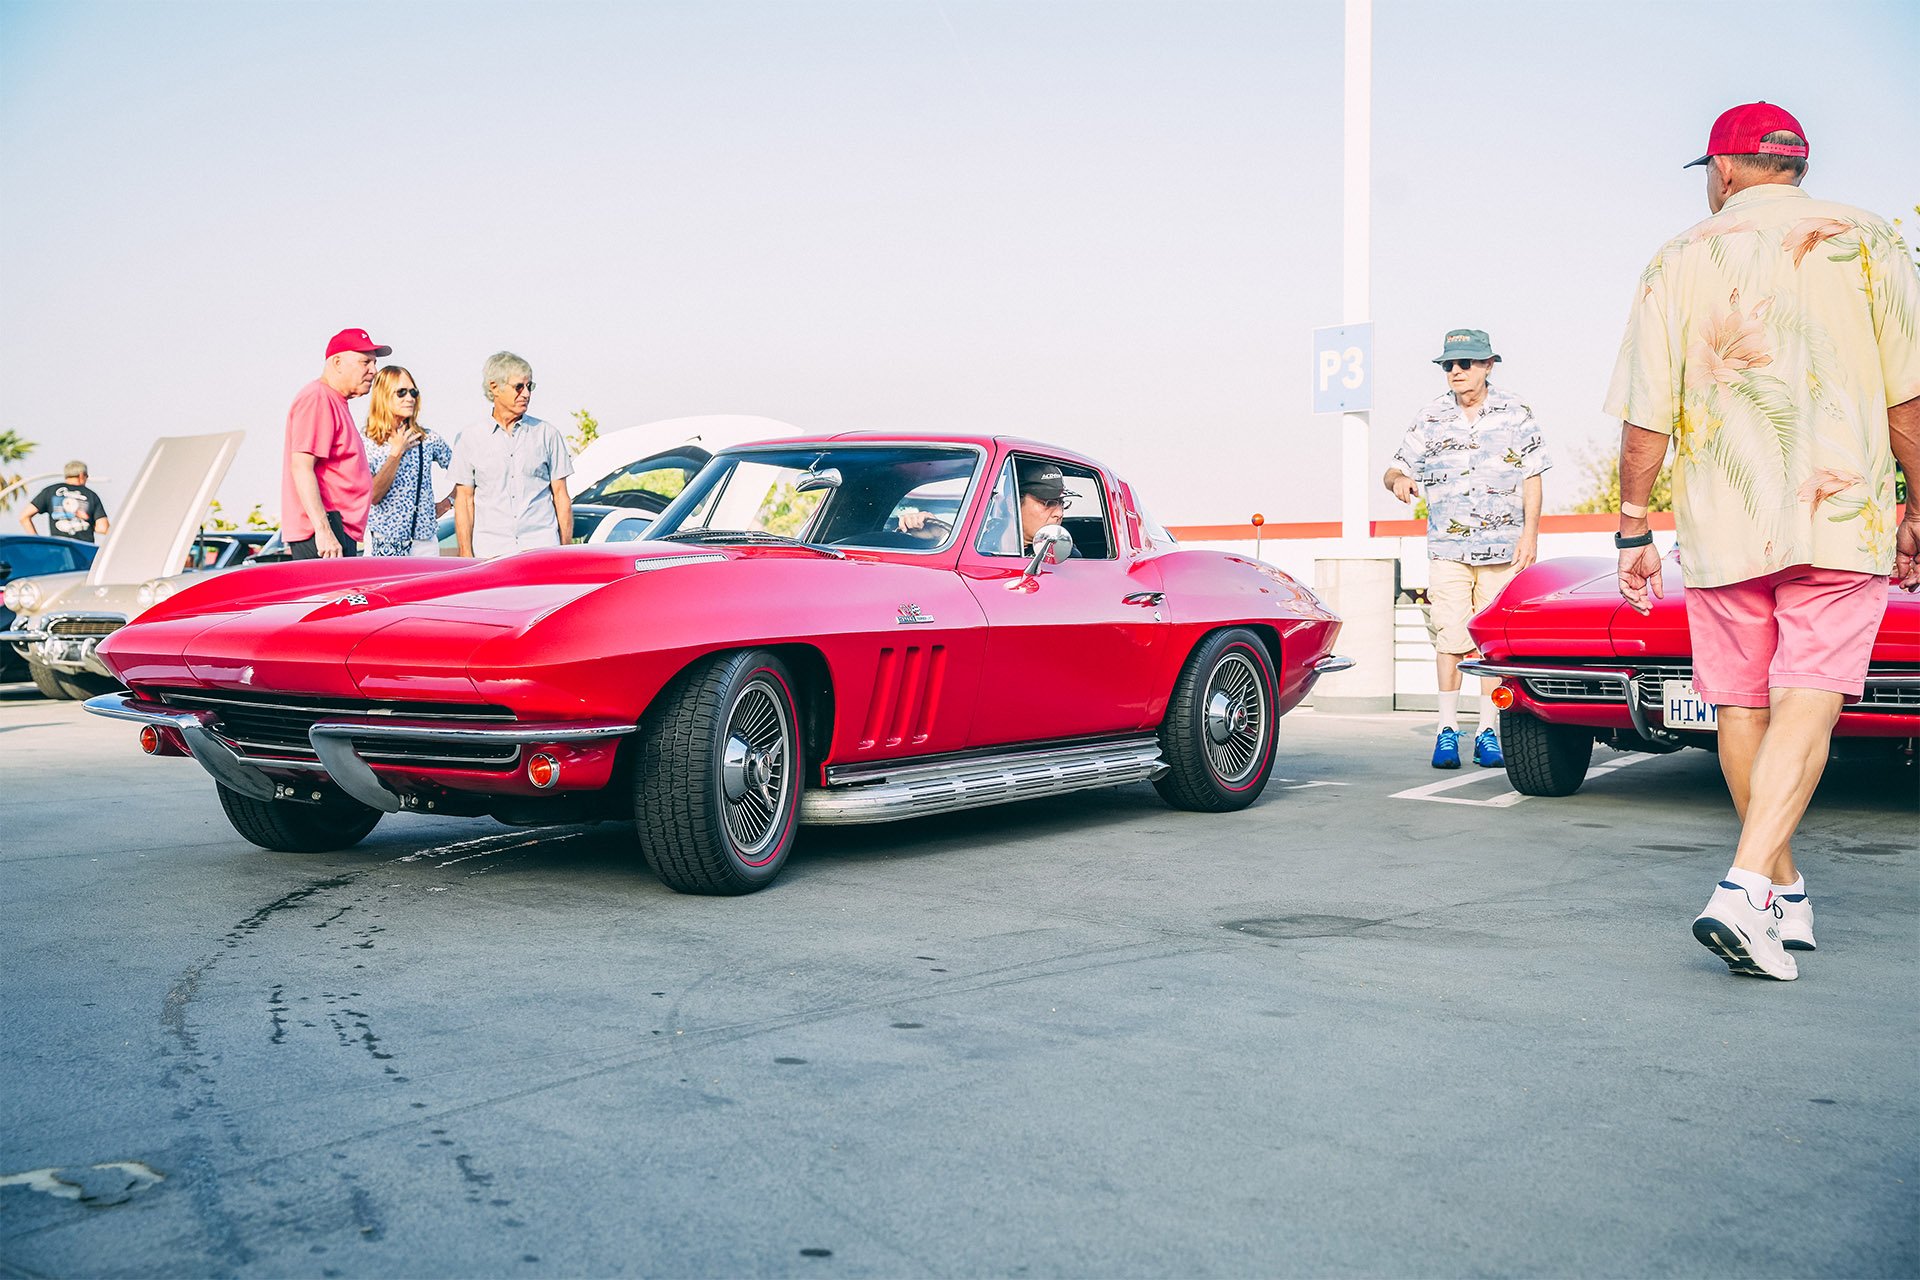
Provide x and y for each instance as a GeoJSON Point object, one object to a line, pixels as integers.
{"type": "Point", "coordinates": [1687, 709]}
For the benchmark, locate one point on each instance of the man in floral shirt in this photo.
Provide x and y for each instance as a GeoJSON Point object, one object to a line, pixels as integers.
{"type": "Point", "coordinates": [1476, 454]}
{"type": "Point", "coordinates": [1777, 344]}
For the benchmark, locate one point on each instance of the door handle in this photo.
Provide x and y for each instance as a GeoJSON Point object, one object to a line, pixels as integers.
{"type": "Point", "coordinates": [1147, 598]}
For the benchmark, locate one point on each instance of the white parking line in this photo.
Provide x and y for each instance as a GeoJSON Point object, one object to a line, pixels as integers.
{"type": "Point", "coordinates": [1508, 798]}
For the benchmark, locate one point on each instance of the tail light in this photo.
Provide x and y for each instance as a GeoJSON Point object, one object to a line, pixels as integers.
{"type": "Point", "coordinates": [150, 740]}
{"type": "Point", "coordinates": [543, 770]}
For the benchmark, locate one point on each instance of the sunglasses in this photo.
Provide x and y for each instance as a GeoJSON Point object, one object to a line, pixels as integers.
{"type": "Point", "coordinates": [414, 392]}
{"type": "Point", "coordinates": [1451, 365]}
{"type": "Point", "coordinates": [518, 387]}
{"type": "Point", "coordinates": [1063, 503]}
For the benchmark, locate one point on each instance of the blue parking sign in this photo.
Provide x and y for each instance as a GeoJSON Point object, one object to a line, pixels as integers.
{"type": "Point", "coordinates": [1343, 369]}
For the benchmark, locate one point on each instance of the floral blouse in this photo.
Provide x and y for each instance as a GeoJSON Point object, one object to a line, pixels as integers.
{"type": "Point", "coordinates": [406, 513]}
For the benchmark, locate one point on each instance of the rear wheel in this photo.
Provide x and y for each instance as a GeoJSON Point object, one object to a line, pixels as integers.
{"type": "Point", "coordinates": [46, 681]}
{"type": "Point", "coordinates": [1219, 735]}
{"type": "Point", "coordinates": [1544, 759]}
{"type": "Point", "coordinates": [717, 783]}
{"type": "Point", "coordinates": [334, 822]}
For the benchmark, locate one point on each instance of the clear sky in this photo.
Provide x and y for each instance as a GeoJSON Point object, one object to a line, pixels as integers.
{"type": "Point", "coordinates": [1112, 224]}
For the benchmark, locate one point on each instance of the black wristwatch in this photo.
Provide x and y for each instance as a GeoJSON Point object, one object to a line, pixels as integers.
{"type": "Point", "coordinates": [1637, 540]}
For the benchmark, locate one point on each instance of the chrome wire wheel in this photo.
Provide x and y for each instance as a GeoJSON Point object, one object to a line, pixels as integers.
{"type": "Point", "coordinates": [1236, 718]}
{"type": "Point", "coordinates": [756, 757]}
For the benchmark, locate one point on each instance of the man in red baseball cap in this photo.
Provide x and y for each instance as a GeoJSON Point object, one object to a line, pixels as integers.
{"type": "Point", "coordinates": [1777, 345]}
{"type": "Point", "coordinates": [325, 483]}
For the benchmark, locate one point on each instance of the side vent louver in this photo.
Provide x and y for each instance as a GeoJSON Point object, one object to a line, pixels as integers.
{"type": "Point", "coordinates": [906, 692]}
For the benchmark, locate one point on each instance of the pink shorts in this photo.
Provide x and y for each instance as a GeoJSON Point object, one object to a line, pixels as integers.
{"type": "Point", "coordinates": [1800, 628]}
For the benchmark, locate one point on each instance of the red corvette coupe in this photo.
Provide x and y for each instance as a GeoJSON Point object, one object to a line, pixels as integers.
{"type": "Point", "coordinates": [833, 629]}
{"type": "Point", "coordinates": [1580, 665]}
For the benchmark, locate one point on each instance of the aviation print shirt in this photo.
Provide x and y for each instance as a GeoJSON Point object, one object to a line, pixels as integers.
{"type": "Point", "coordinates": [1472, 474]}
{"type": "Point", "coordinates": [1768, 341]}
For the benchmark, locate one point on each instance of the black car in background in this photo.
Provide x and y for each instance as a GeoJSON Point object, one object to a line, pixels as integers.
{"type": "Point", "coordinates": [27, 555]}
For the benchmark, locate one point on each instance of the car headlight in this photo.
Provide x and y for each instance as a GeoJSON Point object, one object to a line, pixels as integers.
{"type": "Point", "coordinates": [21, 596]}
{"type": "Point", "coordinates": [153, 591]}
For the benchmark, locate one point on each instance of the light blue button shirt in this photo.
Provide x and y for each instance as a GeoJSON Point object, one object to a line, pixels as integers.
{"type": "Point", "coordinates": [1472, 474]}
{"type": "Point", "coordinates": [512, 474]}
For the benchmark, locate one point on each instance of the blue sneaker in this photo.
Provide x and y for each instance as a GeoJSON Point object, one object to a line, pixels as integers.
{"type": "Point", "coordinates": [1446, 749]}
{"type": "Point", "coordinates": [1486, 751]}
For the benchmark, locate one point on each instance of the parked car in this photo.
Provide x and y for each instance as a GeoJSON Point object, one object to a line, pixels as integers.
{"type": "Point", "coordinates": [25, 556]}
{"type": "Point", "coordinates": [1579, 665]}
{"type": "Point", "coordinates": [156, 533]}
{"type": "Point", "coordinates": [778, 650]}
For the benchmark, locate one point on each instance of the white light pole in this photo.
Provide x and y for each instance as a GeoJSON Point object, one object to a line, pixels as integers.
{"type": "Point", "coordinates": [1356, 262]}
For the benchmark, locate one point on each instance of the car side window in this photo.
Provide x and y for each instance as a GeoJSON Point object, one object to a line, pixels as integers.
{"type": "Point", "coordinates": [1083, 512]}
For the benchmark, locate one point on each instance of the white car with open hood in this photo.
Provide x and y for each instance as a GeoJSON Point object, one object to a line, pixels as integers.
{"type": "Point", "coordinates": [60, 619]}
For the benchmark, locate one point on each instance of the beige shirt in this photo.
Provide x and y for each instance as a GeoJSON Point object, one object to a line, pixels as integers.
{"type": "Point", "coordinates": [1769, 341]}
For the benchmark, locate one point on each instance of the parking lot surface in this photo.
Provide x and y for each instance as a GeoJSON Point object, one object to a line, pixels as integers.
{"type": "Point", "coordinates": [1386, 1022]}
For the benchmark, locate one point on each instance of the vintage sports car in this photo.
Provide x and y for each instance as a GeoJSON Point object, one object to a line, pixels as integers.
{"type": "Point", "coordinates": [1580, 665]}
{"type": "Point", "coordinates": [157, 533]}
{"type": "Point", "coordinates": [799, 638]}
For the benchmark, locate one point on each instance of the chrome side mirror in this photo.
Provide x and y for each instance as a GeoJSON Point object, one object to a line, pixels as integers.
{"type": "Point", "coordinates": [1051, 544]}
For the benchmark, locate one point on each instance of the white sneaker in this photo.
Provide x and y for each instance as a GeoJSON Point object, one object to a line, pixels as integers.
{"type": "Point", "coordinates": [1745, 936]}
{"type": "Point", "coordinates": [1796, 921]}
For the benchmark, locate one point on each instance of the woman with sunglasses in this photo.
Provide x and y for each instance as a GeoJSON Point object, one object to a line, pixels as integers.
{"type": "Point", "coordinates": [401, 453]}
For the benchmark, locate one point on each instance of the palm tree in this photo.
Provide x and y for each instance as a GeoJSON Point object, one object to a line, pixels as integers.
{"type": "Point", "coordinates": [12, 449]}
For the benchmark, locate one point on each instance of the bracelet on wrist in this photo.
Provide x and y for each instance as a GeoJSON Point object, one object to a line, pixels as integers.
{"type": "Point", "coordinates": [1625, 543]}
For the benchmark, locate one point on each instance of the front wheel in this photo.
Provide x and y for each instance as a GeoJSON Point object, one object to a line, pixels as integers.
{"type": "Point", "coordinates": [1544, 759]}
{"type": "Point", "coordinates": [46, 681]}
{"type": "Point", "coordinates": [334, 822]}
{"type": "Point", "coordinates": [1221, 728]}
{"type": "Point", "coordinates": [717, 784]}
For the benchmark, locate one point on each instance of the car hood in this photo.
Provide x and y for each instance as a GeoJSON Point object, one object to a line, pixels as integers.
{"type": "Point", "coordinates": [165, 508]}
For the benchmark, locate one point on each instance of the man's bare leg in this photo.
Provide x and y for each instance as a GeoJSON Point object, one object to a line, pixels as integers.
{"type": "Point", "coordinates": [1741, 730]}
{"type": "Point", "coordinates": [1785, 769]}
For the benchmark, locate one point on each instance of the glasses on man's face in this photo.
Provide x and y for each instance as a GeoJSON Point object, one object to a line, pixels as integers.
{"type": "Point", "coordinates": [518, 387]}
{"type": "Point", "coordinates": [1063, 503]}
{"type": "Point", "coordinates": [1451, 365]}
{"type": "Point", "coordinates": [412, 393]}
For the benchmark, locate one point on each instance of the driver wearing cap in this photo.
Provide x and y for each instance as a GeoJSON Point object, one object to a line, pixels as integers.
{"type": "Point", "coordinates": [1044, 500]}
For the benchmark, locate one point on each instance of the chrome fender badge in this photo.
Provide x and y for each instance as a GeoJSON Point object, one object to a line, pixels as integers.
{"type": "Point", "coordinates": [910, 616]}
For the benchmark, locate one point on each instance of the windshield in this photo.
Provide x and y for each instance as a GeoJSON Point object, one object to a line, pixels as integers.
{"type": "Point", "coordinates": [885, 497]}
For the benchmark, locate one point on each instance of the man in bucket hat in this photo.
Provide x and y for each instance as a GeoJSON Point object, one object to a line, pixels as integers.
{"type": "Point", "coordinates": [1476, 454]}
{"type": "Point", "coordinates": [1777, 345]}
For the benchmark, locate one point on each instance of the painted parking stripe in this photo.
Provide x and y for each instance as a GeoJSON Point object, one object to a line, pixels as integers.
{"type": "Point", "coordinates": [1508, 798]}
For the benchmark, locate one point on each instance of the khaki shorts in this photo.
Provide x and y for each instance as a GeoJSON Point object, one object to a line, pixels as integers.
{"type": "Point", "coordinates": [1456, 592]}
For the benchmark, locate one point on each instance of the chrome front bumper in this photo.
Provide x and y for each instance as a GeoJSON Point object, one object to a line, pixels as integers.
{"type": "Point", "coordinates": [1621, 680]}
{"type": "Point", "coordinates": [333, 743]}
{"type": "Point", "coordinates": [74, 655]}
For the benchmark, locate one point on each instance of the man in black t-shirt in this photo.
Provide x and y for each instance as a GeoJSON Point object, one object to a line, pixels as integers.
{"type": "Point", "coordinates": [72, 510]}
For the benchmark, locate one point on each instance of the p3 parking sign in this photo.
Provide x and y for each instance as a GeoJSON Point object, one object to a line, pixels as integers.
{"type": "Point", "coordinates": [1343, 369]}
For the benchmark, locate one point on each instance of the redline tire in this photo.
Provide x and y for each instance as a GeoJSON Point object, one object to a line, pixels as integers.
{"type": "Point", "coordinates": [1221, 730]}
{"type": "Point", "coordinates": [718, 780]}
{"type": "Point", "coordinates": [1544, 759]}
{"type": "Point", "coordinates": [288, 826]}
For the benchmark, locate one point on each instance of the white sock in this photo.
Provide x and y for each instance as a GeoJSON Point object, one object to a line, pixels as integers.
{"type": "Point", "coordinates": [1798, 886]}
{"type": "Point", "coordinates": [1450, 709]}
{"type": "Point", "coordinates": [1759, 888]}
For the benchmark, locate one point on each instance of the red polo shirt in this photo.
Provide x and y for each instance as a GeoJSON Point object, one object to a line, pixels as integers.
{"type": "Point", "coordinates": [320, 424]}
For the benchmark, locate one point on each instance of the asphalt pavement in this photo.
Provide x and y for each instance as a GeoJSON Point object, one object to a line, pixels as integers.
{"type": "Point", "coordinates": [1350, 1031]}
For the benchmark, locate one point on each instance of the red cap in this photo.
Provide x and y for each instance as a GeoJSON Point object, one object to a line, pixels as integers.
{"type": "Point", "coordinates": [1739, 129]}
{"type": "Point", "coordinates": [355, 340]}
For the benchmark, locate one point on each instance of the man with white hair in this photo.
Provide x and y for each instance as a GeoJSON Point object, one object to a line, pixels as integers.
{"type": "Point", "coordinates": [510, 476]}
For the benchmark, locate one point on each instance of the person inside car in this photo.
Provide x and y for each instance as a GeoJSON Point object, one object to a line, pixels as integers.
{"type": "Point", "coordinates": [1044, 500]}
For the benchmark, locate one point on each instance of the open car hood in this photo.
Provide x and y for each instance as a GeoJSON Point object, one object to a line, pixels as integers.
{"type": "Point", "coordinates": [165, 508]}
